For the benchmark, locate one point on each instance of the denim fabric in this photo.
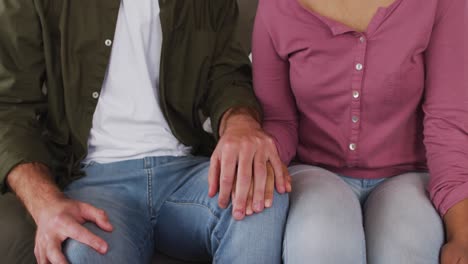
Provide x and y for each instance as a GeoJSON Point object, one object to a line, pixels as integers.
{"type": "Point", "coordinates": [163, 203]}
{"type": "Point", "coordinates": [337, 219]}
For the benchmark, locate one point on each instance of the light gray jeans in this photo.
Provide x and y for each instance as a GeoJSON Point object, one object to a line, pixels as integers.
{"type": "Point", "coordinates": [340, 220]}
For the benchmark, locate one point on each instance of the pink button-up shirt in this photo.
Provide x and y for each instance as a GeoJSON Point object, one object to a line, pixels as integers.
{"type": "Point", "coordinates": [376, 104]}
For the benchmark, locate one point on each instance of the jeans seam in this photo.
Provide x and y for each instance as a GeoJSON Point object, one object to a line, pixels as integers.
{"type": "Point", "coordinates": [150, 192]}
{"type": "Point", "coordinates": [145, 241]}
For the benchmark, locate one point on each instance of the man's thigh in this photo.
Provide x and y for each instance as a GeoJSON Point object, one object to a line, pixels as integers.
{"type": "Point", "coordinates": [17, 231]}
{"type": "Point", "coordinates": [120, 190]}
{"type": "Point", "coordinates": [191, 226]}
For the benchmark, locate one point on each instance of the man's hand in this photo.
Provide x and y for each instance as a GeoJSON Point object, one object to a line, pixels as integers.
{"type": "Point", "coordinates": [240, 159]}
{"type": "Point", "coordinates": [269, 189]}
{"type": "Point", "coordinates": [456, 223]}
{"type": "Point", "coordinates": [57, 217]}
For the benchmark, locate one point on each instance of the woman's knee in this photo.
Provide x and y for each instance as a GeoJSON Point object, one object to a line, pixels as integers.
{"type": "Point", "coordinates": [401, 218]}
{"type": "Point", "coordinates": [325, 220]}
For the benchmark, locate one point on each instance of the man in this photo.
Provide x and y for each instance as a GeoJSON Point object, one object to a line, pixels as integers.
{"type": "Point", "coordinates": [108, 99]}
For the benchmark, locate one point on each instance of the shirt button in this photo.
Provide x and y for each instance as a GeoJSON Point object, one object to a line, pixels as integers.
{"type": "Point", "coordinates": [362, 39]}
{"type": "Point", "coordinates": [95, 95]}
{"type": "Point", "coordinates": [355, 94]}
{"type": "Point", "coordinates": [359, 67]}
{"type": "Point", "coordinates": [108, 42]}
{"type": "Point", "coordinates": [352, 146]}
{"type": "Point", "coordinates": [355, 119]}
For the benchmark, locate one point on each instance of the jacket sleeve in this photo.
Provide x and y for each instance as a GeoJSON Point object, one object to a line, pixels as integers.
{"type": "Point", "coordinates": [230, 78]}
{"type": "Point", "coordinates": [446, 106]}
{"type": "Point", "coordinates": [22, 73]}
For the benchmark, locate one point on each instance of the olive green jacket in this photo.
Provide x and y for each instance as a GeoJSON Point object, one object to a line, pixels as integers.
{"type": "Point", "coordinates": [53, 60]}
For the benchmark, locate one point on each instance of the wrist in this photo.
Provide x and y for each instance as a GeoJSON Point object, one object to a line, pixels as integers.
{"type": "Point", "coordinates": [456, 222]}
{"type": "Point", "coordinates": [34, 186]}
{"type": "Point", "coordinates": [240, 118]}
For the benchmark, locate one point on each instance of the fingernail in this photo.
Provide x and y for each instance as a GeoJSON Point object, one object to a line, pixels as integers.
{"type": "Point", "coordinates": [268, 203]}
{"type": "Point", "coordinates": [249, 211]}
{"type": "Point", "coordinates": [289, 187]}
{"type": "Point", "coordinates": [238, 214]}
{"type": "Point", "coordinates": [258, 206]}
{"type": "Point", "coordinates": [281, 189]}
{"type": "Point", "coordinates": [103, 248]}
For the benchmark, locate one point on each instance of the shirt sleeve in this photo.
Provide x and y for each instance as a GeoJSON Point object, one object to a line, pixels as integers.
{"type": "Point", "coordinates": [230, 77]}
{"type": "Point", "coordinates": [22, 71]}
{"type": "Point", "coordinates": [446, 106]}
{"type": "Point", "coordinates": [273, 90]}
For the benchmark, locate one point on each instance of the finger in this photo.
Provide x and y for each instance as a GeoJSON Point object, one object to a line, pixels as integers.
{"type": "Point", "coordinates": [81, 234]}
{"type": "Point", "coordinates": [40, 254]}
{"type": "Point", "coordinates": [55, 255]}
{"type": "Point", "coordinates": [260, 178]}
{"type": "Point", "coordinates": [288, 179]}
{"type": "Point", "coordinates": [228, 170]}
{"type": "Point", "coordinates": [233, 192]}
{"type": "Point", "coordinates": [277, 165]}
{"type": "Point", "coordinates": [270, 186]}
{"type": "Point", "coordinates": [95, 215]}
{"type": "Point", "coordinates": [243, 183]}
{"type": "Point", "coordinates": [213, 176]}
{"type": "Point", "coordinates": [249, 210]}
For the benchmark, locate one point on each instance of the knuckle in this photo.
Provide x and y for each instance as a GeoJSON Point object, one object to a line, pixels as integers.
{"type": "Point", "coordinates": [269, 140]}
{"type": "Point", "coordinates": [36, 251]}
{"type": "Point", "coordinates": [227, 181]}
{"type": "Point", "coordinates": [58, 220]}
{"type": "Point", "coordinates": [246, 144]}
{"type": "Point", "coordinates": [244, 180]}
{"type": "Point", "coordinates": [230, 145]}
{"type": "Point", "coordinates": [213, 159]}
{"type": "Point", "coordinates": [101, 213]}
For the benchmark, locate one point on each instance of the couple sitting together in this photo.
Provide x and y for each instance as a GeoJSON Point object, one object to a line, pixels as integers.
{"type": "Point", "coordinates": [139, 125]}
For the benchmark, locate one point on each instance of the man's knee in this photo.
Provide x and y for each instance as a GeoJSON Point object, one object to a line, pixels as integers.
{"type": "Point", "coordinates": [121, 248]}
{"type": "Point", "coordinates": [17, 229]}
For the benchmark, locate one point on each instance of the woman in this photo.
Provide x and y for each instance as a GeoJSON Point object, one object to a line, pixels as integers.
{"type": "Point", "coordinates": [369, 96]}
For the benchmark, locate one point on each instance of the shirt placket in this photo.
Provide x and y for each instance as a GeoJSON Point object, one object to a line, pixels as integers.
{"type": "Point", "coordinates": [356, 99]}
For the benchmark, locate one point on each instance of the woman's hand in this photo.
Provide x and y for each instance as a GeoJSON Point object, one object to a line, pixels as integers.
{"type": "Point", "coordinates": [455, 252]}
{"type": "Point", "coordinates": [456, 223]}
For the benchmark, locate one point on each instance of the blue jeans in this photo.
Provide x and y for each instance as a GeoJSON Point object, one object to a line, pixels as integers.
{"type": "Point", "coordinates": [162, 203]}
{"type": "Point", "coordinates": [335, 219]}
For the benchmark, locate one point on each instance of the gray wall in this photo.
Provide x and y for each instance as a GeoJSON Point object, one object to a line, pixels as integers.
{"type": "Point", "coordinates": [247, 9]}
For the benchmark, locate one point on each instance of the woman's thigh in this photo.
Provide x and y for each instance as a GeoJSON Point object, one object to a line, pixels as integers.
{"type": "Point", "coordinates": [325, 219]}
{"type": "Point", "coordinates": [401, 224]}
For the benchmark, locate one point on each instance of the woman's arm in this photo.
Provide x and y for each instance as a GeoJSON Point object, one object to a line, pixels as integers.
{"type": "Point", "coordinates": [272, 87]}
{"type": "Point", "coordinates": [446, 118]}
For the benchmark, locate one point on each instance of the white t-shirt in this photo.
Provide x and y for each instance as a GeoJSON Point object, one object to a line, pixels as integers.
{"type": "Point", "coordinates": [128, 122]}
